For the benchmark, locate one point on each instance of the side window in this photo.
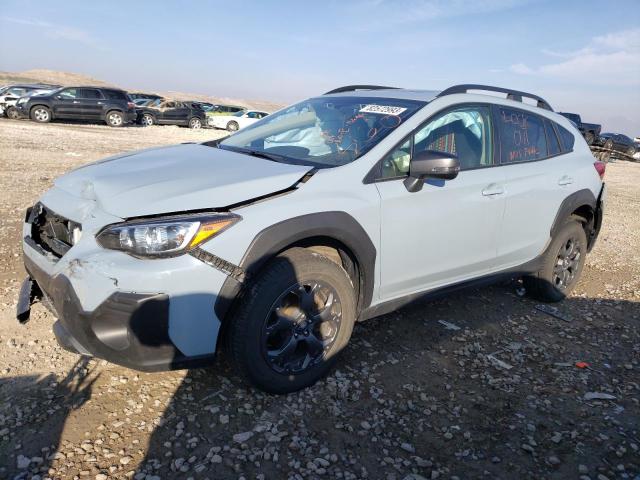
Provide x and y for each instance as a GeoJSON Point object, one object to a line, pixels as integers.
{"type": "Point", "coordinates": [69, 93]}
{"type": "Point", "coordinates": [90, 93]}
{"type": "Point", "coordinates": [16, 92]}
{"type": "Point", "coordinates": [463, 131]}
{"type": "Point", "coordinates": [522, 137]}
{"type": "Point", "coordinates": [552, 138]}
{"type": "Point", "coordinates": [115, 95]}
{"type": "Point", "coordinates": [566, 138]}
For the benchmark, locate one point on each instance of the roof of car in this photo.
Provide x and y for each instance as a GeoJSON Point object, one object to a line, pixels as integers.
{"type": "Point", "coordinates": [400, 93]}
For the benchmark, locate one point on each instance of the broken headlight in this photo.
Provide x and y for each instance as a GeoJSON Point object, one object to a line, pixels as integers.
{"type": "Point", "coordinates": [164, 237]}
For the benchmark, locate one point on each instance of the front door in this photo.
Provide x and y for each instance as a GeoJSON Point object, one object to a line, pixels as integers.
{"type": "Point", "coordinates": [446, 232]}
{"type": "Point", "coordinates": [67, 104]}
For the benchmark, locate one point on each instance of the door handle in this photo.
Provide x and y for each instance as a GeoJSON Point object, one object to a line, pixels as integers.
{"type": "Point", "coordinates": [75, 101]}
{"type": "Point", "coordinates": [565, 180]}
{"type": "Point", "coordinates": [493, 189]}
{"type": "Point", "coordinates": [100, 103]}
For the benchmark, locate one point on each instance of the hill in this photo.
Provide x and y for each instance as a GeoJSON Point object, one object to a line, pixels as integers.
{"type": "Point", "coordinates": [70, 79]}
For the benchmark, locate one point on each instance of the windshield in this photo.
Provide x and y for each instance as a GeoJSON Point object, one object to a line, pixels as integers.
{"type": "Point", "coordinates": [324, 132]}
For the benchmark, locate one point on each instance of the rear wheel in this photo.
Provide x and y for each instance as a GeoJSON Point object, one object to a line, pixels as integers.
{"type": "Point", "coordinates": [115, 119]}
{"type": "Point", "coordinates": [12, 113]}
{"type": "Point", "coordinates": [40, 114]}
{"type": "Point", "coordinates": [631, 151]}
{"type": "Point", "coordinates": [195, 122]}
{"type": "Point", "coordinates": [233, 126]}
{"type": "Point", "coordinates": [291, 322]}
{"type": "Point", "coordinates": [562, 265]}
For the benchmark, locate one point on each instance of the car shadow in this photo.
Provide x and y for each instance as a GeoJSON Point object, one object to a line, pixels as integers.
{"type": "Point", "coordinates": [34, 410]}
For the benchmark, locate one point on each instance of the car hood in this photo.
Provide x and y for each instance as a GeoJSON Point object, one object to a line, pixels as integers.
{"type": "Point", "coordinates": [177, 178]}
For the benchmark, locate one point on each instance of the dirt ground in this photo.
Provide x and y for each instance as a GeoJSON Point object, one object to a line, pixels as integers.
{"type": "Point", "coordinates": [493, 393]}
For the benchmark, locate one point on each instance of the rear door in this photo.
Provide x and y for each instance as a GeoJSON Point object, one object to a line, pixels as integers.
{"type": "Point", "coordinates": [538, 178]}
{"type": "Point", "coordinates": [446, 232]}
{"type": "Point", "coordinates": [92, 102]}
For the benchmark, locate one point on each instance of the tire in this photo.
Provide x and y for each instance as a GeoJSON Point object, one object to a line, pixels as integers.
{"type": "Point", "coordinates": [287, 352]}
{"type": "Point", "coordinates": [195, 123]}
{"type": "Point", "coordinates": [40, 114]}
{"type": "Point", "coordinates": [589, 138]}
{"type": "Point", "coordinates": [12, 113]}
{"type": "Point", "coordinates": [115, 118]}
{"type": "Point", "coordinates": [147, 120]}
{"type": "Point", "coordinates": [562, 264]}
{"type": "Point", "coordinates": [631, 151]}
{"type": "Point", "coordinates": [233, 126]}
{"type": "Point", "coordinates": [608, 144]}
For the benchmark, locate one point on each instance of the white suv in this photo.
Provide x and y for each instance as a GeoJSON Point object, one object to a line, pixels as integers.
{"type": "Point", "coordinates": [275, 240]}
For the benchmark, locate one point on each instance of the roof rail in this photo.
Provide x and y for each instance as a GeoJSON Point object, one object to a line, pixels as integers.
{"type": "Point", "coordinates": [353, 88]}
{"type": "Point", "coordinates": [511, 94]}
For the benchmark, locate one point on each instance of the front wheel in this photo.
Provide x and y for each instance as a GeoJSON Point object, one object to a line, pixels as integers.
{"type": "Point", "coordinates": [147, 120]}
{"type": "Point", "coordinates": [41, 114]}
{"type": "Point", "coordinates": [12, 113]}
{"type": "Point", "coordinates": [562, 264]}
{"type": "Point", "coordinates": [195, 122]}
{"type": "Point", "coordinates": [291, 322]}
{"type": "Point", "coordinates": [233, 126]}
{"type": "Point", "coordinates": [631, 151]}
{"type": "Point", "coordinates": [115, 119]}
{"type": "Point", "coordinates": [608, 144]}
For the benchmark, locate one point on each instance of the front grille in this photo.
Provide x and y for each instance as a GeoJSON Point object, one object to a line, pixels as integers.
{"type": "Point", "coordinates": [52, 232]}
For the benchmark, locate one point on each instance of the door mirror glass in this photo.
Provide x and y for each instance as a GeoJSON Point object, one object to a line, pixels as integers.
{"type": "Point", "coordinates": [431, 164]}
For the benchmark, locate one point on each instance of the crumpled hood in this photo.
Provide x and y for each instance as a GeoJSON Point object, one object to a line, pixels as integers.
{"type": "Point", "coordinates": [177, 178]}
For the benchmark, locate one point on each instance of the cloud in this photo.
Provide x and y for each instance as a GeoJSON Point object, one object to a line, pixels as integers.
{"type": "Point", "coordinates": [61, 32]}
{"type": "Point", "coordinates": [612, 59]}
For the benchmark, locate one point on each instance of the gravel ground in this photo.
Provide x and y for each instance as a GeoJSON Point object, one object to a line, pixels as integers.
{"type": "Point", "coordinates": [480, 384]}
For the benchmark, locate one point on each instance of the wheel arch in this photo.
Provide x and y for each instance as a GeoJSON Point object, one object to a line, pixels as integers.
{"type": "Point", "coordinates": [583, 206]}
{"type": "Point", "coordinates": [336, 232]}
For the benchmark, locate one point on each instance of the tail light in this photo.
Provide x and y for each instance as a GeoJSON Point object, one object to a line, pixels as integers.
{"type": "Point", "coordinates": [600, 168]}
{"type": "Point", "coordinates": [131, 105]}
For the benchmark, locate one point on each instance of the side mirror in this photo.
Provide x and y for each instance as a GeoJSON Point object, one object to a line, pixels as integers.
{"type": "Point", "coordinates": [430, 164]}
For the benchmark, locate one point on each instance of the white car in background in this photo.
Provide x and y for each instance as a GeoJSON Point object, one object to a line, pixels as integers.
{"type": "Point", "coordinates": [238, 120]}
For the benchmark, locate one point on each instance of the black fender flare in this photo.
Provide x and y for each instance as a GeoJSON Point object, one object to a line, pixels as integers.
{"type": "Point", "coordinates": [570, 204]}
{"type": "Point", "coordinates": [335, 225]}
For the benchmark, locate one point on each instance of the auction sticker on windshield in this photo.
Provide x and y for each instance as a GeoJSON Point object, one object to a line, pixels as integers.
{"type": "Point", "coordinates": [382, 109]}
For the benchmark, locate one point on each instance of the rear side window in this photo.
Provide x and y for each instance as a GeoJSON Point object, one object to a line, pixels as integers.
{"type": "Point", "coordinates": [90, 93]}
{"type": "Point", "coordinates": [552, 138]}
{"type": "Point", "coordinates": [566, 138]}
{"type": "Point", "coordinates": [522, 136]}
{"type": "Point", "coordinates": [115, 95]}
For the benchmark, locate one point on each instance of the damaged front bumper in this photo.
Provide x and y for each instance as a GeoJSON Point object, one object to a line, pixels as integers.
{"type": "Point", "coordinates": [147, 315]}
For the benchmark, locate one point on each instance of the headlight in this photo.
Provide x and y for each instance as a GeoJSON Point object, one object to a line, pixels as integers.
{"type": "Point", "coordinates": [164, 237]}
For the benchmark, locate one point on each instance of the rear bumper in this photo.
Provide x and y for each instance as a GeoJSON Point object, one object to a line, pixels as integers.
{"type": "Point", "coordinates": [128, 329]}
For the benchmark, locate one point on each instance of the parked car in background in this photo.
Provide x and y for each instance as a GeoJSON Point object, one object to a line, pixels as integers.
{"type": "Point", "coordinates": [617, 142]}
{"type": "Point", "coordinates": [274, 241]}
{"type": "Point", "coordinates": [144, 96]}
{"type": "Point", "coordinates": [237, 121]}
{"type": "Point", "coordinates": [220, 109]}
{"type": "Point", "coordinates": [109, 105]}
{"type": "Point", "coordinates": [590, 131]}
{"type": "Point", "coordinates": [10, 94]}
{"type": "Point", "coordinates": [171, 112]}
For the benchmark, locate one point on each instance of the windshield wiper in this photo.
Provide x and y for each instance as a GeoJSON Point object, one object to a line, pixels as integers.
{"type": "Point", "coordinates": [260, 154]}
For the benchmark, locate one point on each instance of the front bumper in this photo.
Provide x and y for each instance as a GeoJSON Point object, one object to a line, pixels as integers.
{"type": "Point", "coordinates": [144, 314]}
{"type": "Point", "coordinates": [128, 329]}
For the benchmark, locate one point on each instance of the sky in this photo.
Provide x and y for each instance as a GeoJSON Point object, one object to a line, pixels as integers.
{"type": "Point", "coordinates": [581, 56]}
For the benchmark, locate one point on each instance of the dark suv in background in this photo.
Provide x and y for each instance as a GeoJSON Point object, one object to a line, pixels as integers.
{"type": "Point", "coordinates": [110, 105]}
